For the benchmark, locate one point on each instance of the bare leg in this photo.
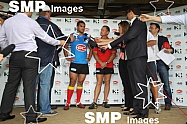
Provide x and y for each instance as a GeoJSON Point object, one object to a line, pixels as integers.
{"type": "Point", "coordinates": [73, 78]}
{"type": "Point", "coordinates": [107, 78]}
{"type": "Point", "coordinates": [81, 78]}
{"type": "Point", "coordinates": [98, 86]}
{"type": "Point", "coordinates": [155, 91]}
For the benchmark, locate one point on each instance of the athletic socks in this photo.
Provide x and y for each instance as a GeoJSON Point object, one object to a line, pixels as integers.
{"type": "Point", "coordinates": [79, 93]}
{"type": "Point", "coordinates": [69, 94]}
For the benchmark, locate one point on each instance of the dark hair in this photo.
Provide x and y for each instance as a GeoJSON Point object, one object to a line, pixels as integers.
{"type": "Point", "coordinates": [79, 22]}
{"type": "Point", "coordinates": [108, 29]}
{"type": "Point", "coordinates": [157, 25]}
{"type": "Point", "coordinates": [135, 9]}
{"type": "Point", "coordinates": [125, 25]}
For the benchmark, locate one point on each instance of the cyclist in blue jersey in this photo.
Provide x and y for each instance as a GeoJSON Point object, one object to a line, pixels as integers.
{"type": "Point", "coordinates": [79, 64]}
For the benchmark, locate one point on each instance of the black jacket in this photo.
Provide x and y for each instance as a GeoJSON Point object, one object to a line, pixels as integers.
{"type": "Point", "coordinates": [47, 52]}
{"type": "Point", "coordinates": [161, 40]}
{"type": "Point", "coordinates": [135, 39]}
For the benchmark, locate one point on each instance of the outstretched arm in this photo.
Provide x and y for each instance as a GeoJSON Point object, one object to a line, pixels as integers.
{"type": "Point", "coordinates": [179, 19]}
{"type": "Point", "coordinates": [146, 18]}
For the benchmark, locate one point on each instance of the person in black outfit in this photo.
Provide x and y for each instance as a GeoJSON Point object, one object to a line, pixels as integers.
{"type": "Point", "coordinates": [136, 50]}
{"type": "Point", "coordinates": [123, 27]}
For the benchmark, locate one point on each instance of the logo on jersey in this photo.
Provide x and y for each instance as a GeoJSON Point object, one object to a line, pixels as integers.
{"type": "Point", "coordinates": [81, 47]}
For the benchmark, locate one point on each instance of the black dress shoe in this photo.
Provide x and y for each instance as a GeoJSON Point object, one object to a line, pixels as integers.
{"type": "Point", "coordinates": [167, 107]}
{"type": "Point", "coordinates": [141, 116]}
{"type": "Point", "coordinates": [36, 120]}
{"type": "Point", "coordinates": [130, 113]}
{"type": "Point", "coordinates": [127, 109]}
{"type": "Point", "coordinates": [4, 117]}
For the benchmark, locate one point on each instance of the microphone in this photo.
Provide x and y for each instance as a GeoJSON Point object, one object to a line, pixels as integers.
{"type": "Point", "coordinates": [102, 50]}
{"type": "Point", "coordinates": [6, 51]}
{"type": "Point", "coordinates": [116, 33]}
{"type": "Point", "coordinates": [3, 17]}
{"type": "Point", "coordinates": [93, 43]}
{"type": "Point", "coordinates": [90, 40]}
{"type": "Point", "coordinates": [75, 34]}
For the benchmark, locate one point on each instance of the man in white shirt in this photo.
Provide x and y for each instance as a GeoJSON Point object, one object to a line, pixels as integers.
{"type": "Point", "coordinates": [152, 49]}
{"type": "Point", "coordinates": [162, 68]}
{"type": "Point", "coordinates": [20, 30]}
{"type": "Point", "coordinates": [179, 19]}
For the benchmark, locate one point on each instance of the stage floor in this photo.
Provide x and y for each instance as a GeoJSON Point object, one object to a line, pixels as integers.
{"type": "Point", "coordinates": [77, 116]}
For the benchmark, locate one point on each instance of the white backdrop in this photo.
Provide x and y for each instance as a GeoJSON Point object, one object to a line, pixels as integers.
{"type": "Point", "coordinates": [59, 91]}
{"type": "Point", "coordinates": [178, 75]}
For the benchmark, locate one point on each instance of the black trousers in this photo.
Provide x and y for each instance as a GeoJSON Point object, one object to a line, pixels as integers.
{"type": "Point", "coordinates": [26, 69]}
{"type": "Point", "coordinates": [126, 83]}
{"type": "Point", "coordinates": [137, 73]}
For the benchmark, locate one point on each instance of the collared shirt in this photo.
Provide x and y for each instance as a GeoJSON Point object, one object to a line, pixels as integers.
{"type": "Point", "coordinates": [152, 50]}
{"type": "Point", "coordinates": [44, 17]}
{"type": "Point", "coordinates": [179, 19]}
{"type": "Point", "coordinates": [132, 20]}
{"type": "Point", "coordinates": [21, 30]}
{"type": "Point", "coordinates": [156, 48]}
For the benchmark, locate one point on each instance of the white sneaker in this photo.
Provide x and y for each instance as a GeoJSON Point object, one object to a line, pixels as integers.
{"type": "Point", "coordinates": [158, 109]}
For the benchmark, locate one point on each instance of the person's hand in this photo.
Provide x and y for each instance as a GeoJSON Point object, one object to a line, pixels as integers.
{"type": "Point", "coordinates": [72, 37]}
{"type": "Point", "coordinates": [123, 46]}
{"type": "Point", "coordinates": [168, 50]}
{"type": "Point", "coordinates": [103, 65]}
{"type": "Point", "coordinates": [87, 59]}
{"type": "Point", "coordinates": [145, 18]}
{"type": "Point", "coordinates": [70, 59]}
{"type": "Point", "coordinates": [1, 57]}
{"type": "Point", "coordinates": [62, 42]}
{"type": "Point", "coordinates": [104, 47]}
{"type": "Point", "coordinates": [97, 40]}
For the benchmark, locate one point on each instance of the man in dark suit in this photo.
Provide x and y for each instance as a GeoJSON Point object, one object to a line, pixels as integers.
{"type": "Point", "coordinates": [136, 50]}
